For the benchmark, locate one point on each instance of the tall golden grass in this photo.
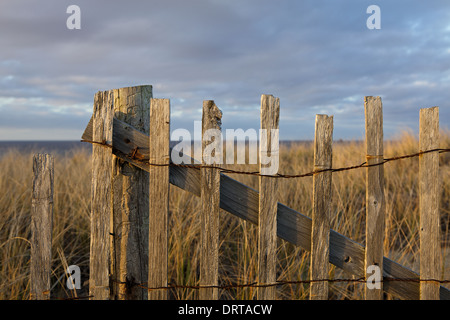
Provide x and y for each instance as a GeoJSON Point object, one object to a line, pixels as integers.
{"type": "Point", "coordinates": [238, 252]}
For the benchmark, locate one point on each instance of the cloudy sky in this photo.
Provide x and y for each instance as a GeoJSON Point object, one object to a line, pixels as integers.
{"type": "Point", "coordinates": [316, 56]}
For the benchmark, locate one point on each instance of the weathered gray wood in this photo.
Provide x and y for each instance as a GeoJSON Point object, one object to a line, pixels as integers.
{"type": "Point", "coordinates": [375, 202]}
{"type": "Point", "coordinates": [130, 185]}
{"type": "Point", "coordinates": [87, 134]}
{"type": "Point", "coordinates": [321, 215]}
{"type": "Point", "coordinates": [210, 197]}
{"type": "Point", "coordinates": [158, 198]}
{"type": "Point", "coordinates": [41, 226]}
{"type": "Point", "coordinates": [130, 141]}
{"type": "Point", "coordinates": [267, 221]}
{"type": "Point", "coordinates": [429, 189]}
{"type": "Point", "coordinates": [292, 226]}
{"type": "Point", "coordinates": [101, 197]}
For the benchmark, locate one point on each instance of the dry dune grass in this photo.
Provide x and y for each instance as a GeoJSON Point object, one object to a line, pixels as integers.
{"type": "Point", "coordinates": [238, 238]}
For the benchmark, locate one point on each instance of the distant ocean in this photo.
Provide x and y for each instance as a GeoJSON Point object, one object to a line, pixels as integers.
{"type": "Point", "coordinates": [53, 147]}
{"type": "Point", "coordinates": [61, 147]}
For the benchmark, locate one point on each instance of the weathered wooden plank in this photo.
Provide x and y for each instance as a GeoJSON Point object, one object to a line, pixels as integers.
{"type": "Point", "coordinates": [101, 197]}
{"type": "Point", "coordinates": [130, 185]}
{"type": "Point", "coordinates": [320, 235]}
{"type": "Point", "coordinates": [41, 226]}
{"type": "Point", "coordinates": [210, 198]}
{"type": "Point", "coordinates": [87, 134]}
{"type": "Point", "coordinates": [130, 141]}
{"type": "Point", "coordinates": [158, 198]}
{"type": "Point", "coordinates": [267, 221]}
{"type": "Point", "coordinates": [429, 183]}
{"type": "Point", "coordinates": [243, 202]}
{"type": "Point", "coordinates": [375, 202]}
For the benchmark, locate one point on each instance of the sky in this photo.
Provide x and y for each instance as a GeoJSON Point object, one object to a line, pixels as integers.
{"type": "Point", "coordinates": [318, 57]}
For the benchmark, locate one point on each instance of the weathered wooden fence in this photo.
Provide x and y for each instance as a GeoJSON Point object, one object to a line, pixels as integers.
{"type": "Point", "coordinates": [131, 172]}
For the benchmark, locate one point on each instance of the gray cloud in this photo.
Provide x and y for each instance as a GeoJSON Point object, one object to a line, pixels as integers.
{"type": "Point", "coordinates": [317, 56]}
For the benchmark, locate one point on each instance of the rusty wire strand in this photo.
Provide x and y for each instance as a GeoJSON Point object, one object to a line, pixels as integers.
{"type": "Point", "coordinates": [261, 285]}
{"type": "Point", "coordinates": [277, 283]}
{"type": "Point", "coordinates": [132, 157]}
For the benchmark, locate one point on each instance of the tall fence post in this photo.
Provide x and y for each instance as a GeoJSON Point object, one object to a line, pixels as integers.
{"type": "Point", "coordinates": [320, 235]}
{"type": "Point", "coordinates": [268, 200]}
{"type": "Point", "coordinates": [101, 197]}
{"type": "Point", "coordinates": [375, 202]}
{"type": "Point", "coordinates": [159, 154]}
{"type": "Point", "coordinates": [130, 205]}
{"type": "Point", "coordinates": [119, 218]}
{"type": "Point", "coordinates": [210, 198]}
{"type": "Point", "coordinates": [429, 181]}
{"type": "Point", "coordinates": [41, 226]}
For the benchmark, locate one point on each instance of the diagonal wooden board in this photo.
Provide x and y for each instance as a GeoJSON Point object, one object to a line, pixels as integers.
{"type": "Point", "coordinates": [242, 201]}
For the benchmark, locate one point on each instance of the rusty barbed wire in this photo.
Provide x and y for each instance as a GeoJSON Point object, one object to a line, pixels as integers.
{"type": "Point", "coordinates": [133, 157]}
{"type": "Point", "coordinates": [261, 285]}
{"type": "Point", "coordinates": [279, 283]}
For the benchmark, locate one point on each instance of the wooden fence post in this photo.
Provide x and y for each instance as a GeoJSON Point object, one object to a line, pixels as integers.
{"type": "Point", "coordinates": [119, 219]}
{"type": "Point", "coordinates": [210, 197]}
{"type": "Point", "coordinates": [101, 197]}
{"type": "Point", "coordinates": [159, 197]}
{"type": "Point", "coordinates": [268, 200]}
{"type": "Point", "coordinates": [375, 202]}
{"type": "Point", "coordinates": [130, 204]}
{"type": "Point", "coordinates": [429, 182]}
{"type": "Point", "coordinates": [320, 235]}
{"type": "Point", "coordinates": [41, 226]}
